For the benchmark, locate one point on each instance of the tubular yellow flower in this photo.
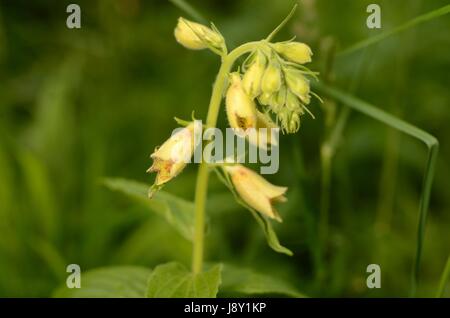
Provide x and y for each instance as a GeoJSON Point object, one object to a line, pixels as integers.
{"type": "Point", "coordinates": [252, 77]}
{"type": "Point", "coordinates": [171, 158]}
{"type": "Point", "coordinates": [196, 36]}
{"type": "Point", "coordinates": [256, 191]}
{"type": "Point", "coordinates": [296, 52]}
{"type": "Point", "coordinates": [241, 109]}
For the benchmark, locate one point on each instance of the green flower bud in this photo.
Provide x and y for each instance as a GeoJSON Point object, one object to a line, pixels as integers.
{"type": "Point", "coordinates": [252, 78]}
{"type": "Point", "coordinates": [280, 98]}
{"type": "Point", "coordinates": [292, 102]}
{"type": "Point", "coordinates": [294, 123]}
{"type": "Point", "coordinates": [266, 99]}
{"type": "Point", "coordinates": [271, 80]}
{"type": "Point", "coordinates": [296, 52]}
{"type": "Point", "coordinates": [298, 84]}
{"type": "Point", "coordinates": [196, 36]}
{"type": "Point", "coordinates": [283, 117]}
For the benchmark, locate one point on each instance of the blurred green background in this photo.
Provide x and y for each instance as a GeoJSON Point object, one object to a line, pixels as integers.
{"type": "Point", "coordinates": [82, 104]}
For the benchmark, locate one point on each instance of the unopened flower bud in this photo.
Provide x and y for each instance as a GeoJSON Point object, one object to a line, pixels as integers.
{"type": "Point", "coordinates": [298, 84]}
{"type": "Point", "coordinates": [280, 99]}
{"type": "Point", "coordinates": [241, 109]}
{"type": "Point", "coordinates": [196, 36]}
{"type": "Point", "coordinates": [266, 99]}
{"type": "Point", "coordinates": [256, 191]}
{"type": "Point", "coordinates": [283, 117]}
{"type": "Point", "coordinates": [253, 76]}
{"type": "Point", "coordinates": [294, 123]}
{"type": "Point", "coordinates": [171, 158]}
{"type": "Point", "coordinates": [290, 117]}
{"type": "Point", "coordinates": [265, 131]}
{"type": "Point", "coordinates": [292, 102]}
{"type": "Point", "coordinates": [296, 52]}
{"type": "Point", "coordinates": [271, 80]}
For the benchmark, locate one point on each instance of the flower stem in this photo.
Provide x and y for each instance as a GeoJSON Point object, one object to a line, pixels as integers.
{"type": "Point", "coordinates": [201, 187]}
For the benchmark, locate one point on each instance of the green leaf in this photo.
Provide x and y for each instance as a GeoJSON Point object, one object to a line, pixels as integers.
{"type": "Point", "coordinates": [109, 282]}
{"type": "Point", "coordinates": [173, 280]}
{"type": "Point", "coordinates": [271, 236]}
{"type": "Point", "coordinates": [176, 211]}
{"type": "Point", "coordinates": [246, 281]}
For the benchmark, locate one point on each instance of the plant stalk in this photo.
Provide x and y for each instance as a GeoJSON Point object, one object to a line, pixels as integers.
{"type": "Point", "coordinates": [433, 149]}
{"type": "Point", "coordinates": [444, 279]}
{"type": "Point", "coordinates": [201, 187]}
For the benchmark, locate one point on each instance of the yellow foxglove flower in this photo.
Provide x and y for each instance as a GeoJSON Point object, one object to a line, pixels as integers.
{"type": "Point", "coordinates": [196, 36]}
{"type": "Point", "coordinates": [296, 52]}
{"type": "Point", "coordinates": [271, 80]}
{"type": "Point", "coordinates": [171, 158]}
{"type": "Point", "coordinates": [256, 191]}
{"type": "Point", "coordinates": [252, 77]}
{"type": "Point", "coordinates": [241, 109]}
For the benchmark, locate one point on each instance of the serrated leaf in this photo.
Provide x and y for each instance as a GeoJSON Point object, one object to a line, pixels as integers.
{"type": "Point", "coordinates": [246, 281]}
{"type": "Point", "coordinates": [173, 280]}
{"type": "Point", "coordinates": [109, 282]}
{"type": "Point", "coordinates": [176, 211]}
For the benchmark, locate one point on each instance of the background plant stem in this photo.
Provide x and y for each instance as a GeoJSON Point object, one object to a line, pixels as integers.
{"type": "Point", "coordinates": [429, 140]}
{"type": "Point", "coordinates": [444, 279]}
{"type": "Point", "coordinates": [201, 187]}
{"type": "Point", "coordinates": [334, 128]}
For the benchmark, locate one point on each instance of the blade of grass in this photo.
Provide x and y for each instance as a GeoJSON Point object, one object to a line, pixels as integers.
{"type": "Point", "coordinates": [190, 10]}
{"type": "Point", "coordinates": [430, 141]}
{"type": "Point", "coordinates": [411, 23]}
{"type": "Point", "coordinates": [50, 256]}
{"type": "Point", "coordinates": [329, 111]}
{"type": "Point", "coordinates": [444, 279]}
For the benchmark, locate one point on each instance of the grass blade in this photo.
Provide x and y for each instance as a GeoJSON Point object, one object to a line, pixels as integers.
{"type": "Point", "coordinates": [430, 141]}
{"type": "Point", "coordinates": [189, 10]}
{"type": "Point", "coordinates": [444, 279]}
{"type": "Point", "coordinates": [380, 37]}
